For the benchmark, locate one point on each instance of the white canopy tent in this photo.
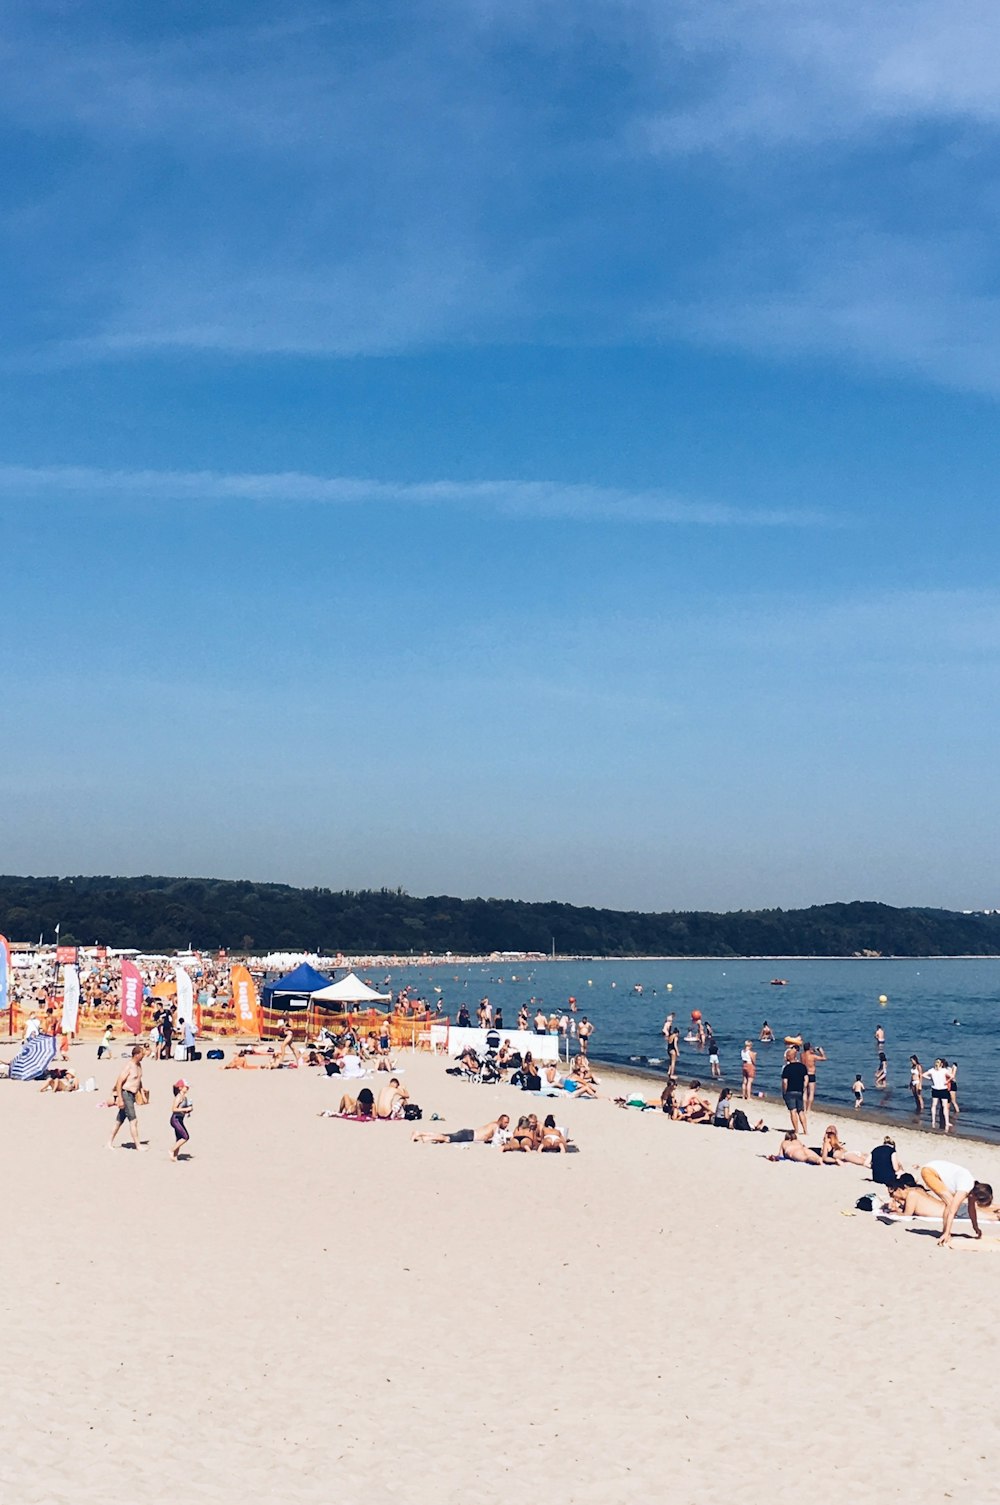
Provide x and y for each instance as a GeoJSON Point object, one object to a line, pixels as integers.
{"type": "Point", "coordinates": [350, 989]}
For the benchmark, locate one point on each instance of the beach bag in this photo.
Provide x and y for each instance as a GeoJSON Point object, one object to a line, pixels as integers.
{"type": "Point", "coordinates": [216, 1055]}
{"type": "Point", "coordinates": [411, 1111]}
{"type": "Point", "coordinates": [531, 1083]}
{"type": "Point", "coordinates": [142, 1097]}
{"type": "Point", "coordinates": [740, 1120]}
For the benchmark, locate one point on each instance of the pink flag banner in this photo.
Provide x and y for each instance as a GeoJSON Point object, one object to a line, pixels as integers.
{"type": "Point", "coordinates": [132, 986]}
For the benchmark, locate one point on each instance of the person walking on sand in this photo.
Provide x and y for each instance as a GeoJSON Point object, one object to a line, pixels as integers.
{"type": "Point", "coordinates": [105, 1046]}
{"type": "Point", "coordinates": [126, 1090]}
{"type": "Point", "coordinates": [793, 1087]}
{"type": "Point", "coordinates": [182, 1107]}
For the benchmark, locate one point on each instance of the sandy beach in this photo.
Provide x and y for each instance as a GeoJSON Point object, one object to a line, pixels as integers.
{"type": "Point", "coordinates": [317, 1310]}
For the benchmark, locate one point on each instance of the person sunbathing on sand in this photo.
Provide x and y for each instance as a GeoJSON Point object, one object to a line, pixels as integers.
{"type": "Point", "coordinates": [523, 1138]}
{"type": "Point", "coordinates": [362, 1106]}
{"type": "Point", "coordinates": [552, 1138]}
{"type": "Point", "coordinates": [834, 1152]}
{"type": "Point", "coordinates": [246, 1060]}
{"type": "Point", "coordinates": [482, 1135]}
{"type": "Point", "coordinates": [60, 1081]}
{"type": "Point", "coordinates": [791, 1149]}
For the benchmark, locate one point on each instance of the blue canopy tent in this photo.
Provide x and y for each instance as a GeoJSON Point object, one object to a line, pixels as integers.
{"type": "Point", "coordinates": [295, 990]}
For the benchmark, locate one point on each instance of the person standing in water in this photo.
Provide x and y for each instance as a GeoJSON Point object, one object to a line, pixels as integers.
{"type": "Point", "coordinates": [748, 1061]}
{"type": "Point", "coordinates": [917, 1084]}
{"type": "Point", "coordinates": [940, 1094]}
{"type": "Point", "coordinates": [810, 1055]}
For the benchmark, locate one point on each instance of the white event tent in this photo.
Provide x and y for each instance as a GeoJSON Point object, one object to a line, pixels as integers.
{"type": "Point", "coordinates": [348, 990]}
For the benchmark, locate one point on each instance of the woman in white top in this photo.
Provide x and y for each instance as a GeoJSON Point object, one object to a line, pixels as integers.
{"type": "Point", "coordinates": [953, 1184]}
{"type": "Point", "coordinates": [940, 1093]}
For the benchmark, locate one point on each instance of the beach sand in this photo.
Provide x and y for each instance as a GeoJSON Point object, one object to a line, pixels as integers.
{"type": "Point", "coordinates": [317, 1310]}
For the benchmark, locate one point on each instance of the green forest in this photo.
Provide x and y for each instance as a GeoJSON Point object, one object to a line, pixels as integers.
{"type": "Point", "coordinates": [166, 914]}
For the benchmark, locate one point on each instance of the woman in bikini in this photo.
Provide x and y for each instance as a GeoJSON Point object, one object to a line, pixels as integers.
{"type": "Point", "coordinates": [917, 1084]}
{"type": "Point", "coordinates": [748, 1058]}
{"type": "Point", "coordinates": [553, 1139]}
{"type": "Point", "coordinates": [833, 1151]}
{"type": "Point", "coordinates": [522, 1138]}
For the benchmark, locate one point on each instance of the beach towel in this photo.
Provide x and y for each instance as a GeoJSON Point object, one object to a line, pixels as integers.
{"type": "Point", "coordinates": [32, 1060]}
{"type": "Point", "coordinates": [987, 1226]}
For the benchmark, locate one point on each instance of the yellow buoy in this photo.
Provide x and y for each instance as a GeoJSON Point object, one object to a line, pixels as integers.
{"type": "Point", "coordinates": [670, 987]}
{"type": "Point", "coordinates": [882, 998]}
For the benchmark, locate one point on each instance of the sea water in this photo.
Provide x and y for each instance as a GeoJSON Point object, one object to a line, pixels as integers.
{"type": "Point", "coordinates": [947, 1007]}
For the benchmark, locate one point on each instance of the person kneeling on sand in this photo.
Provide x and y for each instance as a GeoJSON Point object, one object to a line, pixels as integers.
{"type": "Point", "coordinates": [484, 1135]}
{"type": "Point", "coordinates": [953, 1185]}
{"type": "Point", "coordinates": [791, 1149]}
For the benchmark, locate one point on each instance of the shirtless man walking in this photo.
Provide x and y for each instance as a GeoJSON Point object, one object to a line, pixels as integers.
{"type": "Point", "coordinates": [126, 1090]}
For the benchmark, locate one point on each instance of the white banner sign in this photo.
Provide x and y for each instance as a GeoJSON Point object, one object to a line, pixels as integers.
{"type": "Point", "coordinates": [71, 999]}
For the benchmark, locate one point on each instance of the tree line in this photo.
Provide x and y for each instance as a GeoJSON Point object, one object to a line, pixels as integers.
{"type": "Point", "coordinates": [167, 914]}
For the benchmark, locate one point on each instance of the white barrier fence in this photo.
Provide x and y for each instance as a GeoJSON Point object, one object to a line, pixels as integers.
{"type": "Point", "coordinates": [542, 1047]}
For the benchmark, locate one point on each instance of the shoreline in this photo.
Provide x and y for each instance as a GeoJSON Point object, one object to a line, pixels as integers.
{"type": "Point", "coordinates": [840, 1113]}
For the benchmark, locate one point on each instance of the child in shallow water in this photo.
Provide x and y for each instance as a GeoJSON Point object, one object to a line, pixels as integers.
{"type": "Point", "coordinates": [859, 1091]}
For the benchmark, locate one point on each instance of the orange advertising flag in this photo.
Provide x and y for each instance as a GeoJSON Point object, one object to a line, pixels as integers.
{"type": "Point", "coordinates": [245, 1001]}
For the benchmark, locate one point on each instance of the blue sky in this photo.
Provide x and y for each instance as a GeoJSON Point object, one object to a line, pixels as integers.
{"type": "Point", "coordinates": [531, 450]}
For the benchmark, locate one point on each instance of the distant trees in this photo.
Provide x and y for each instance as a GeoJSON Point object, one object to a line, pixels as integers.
{"type": "Point", "coordinates": [169, 913]}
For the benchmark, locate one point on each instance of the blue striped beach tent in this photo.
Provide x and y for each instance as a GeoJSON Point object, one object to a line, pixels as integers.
{"type": "Point", "coordinates": [32, 1060]}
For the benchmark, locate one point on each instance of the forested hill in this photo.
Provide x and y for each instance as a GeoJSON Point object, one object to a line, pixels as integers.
{"type": "Point", "coordinates": [162, 914]}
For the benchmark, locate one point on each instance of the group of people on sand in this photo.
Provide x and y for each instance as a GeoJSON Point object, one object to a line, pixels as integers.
{"type": "Point", "coordinates": [941, 1190]}
{"type": "Point", "coordinates": [508, 1064]}
{"type": "Point", "coordinates": [528, 1136]}
{"type": "Point", "coordinates": [129, 1094]}
{"type": "Point", "coordinates": [390, 1103]}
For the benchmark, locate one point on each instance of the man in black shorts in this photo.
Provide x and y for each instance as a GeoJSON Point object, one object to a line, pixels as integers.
{"type": "Point", "coordinates": [467, 1136]}
{"type": "Point", "coordinates": [793, 1087]}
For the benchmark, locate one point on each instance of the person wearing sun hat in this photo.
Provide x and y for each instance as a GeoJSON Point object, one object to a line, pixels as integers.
{"type": "Point", "coordinates": [181, 1109]}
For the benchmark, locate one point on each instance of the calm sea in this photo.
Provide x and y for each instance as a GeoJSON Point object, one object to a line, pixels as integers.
{"type": "Point", "coordinates": [948, 1007]}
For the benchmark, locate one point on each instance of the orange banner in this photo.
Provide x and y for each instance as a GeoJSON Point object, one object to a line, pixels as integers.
{"type": "Point", "coordinates": [245, 1001]}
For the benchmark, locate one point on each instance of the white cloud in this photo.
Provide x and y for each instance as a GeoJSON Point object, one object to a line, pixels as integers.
{"type": "Point", "coordinates": [516, 499]}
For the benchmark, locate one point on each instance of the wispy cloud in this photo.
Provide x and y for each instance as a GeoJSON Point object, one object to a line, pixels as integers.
{"type": "Point", "coordinates": [767, 174]}
{"type": "Point", "coordinates": [86, 485]}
